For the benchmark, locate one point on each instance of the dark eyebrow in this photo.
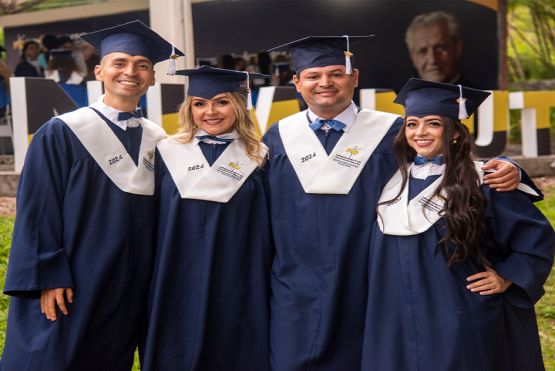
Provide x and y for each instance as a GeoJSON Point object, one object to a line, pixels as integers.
{"type": "Point", "coordinates": [144, 61]}
{"type": "Point", "coordinates": [121, 59]}
{"type": "Point", "coordinates": [336, 70]}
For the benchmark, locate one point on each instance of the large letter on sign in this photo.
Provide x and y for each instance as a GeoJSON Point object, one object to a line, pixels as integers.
{"type": "Point", "coordinates": [493, 121]}
{"type": "Point", "coordinates": [274, 104]}
{"type": "Point", "coordinates": [34, 102]}
{"type": "Point", "coordinates": [535, 120]}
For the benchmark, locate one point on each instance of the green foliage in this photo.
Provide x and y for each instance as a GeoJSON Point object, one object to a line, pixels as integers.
{"type": "Point", "coordinates": [531, 41]}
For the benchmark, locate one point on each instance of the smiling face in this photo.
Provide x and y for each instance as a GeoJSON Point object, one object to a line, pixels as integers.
{"type": "Point", "coordinates": [434, 53]}
{"type": "Point", "coordinates": [424, 135]}
{"type": "Point", "coordinates": [125, 79]}
{"type": "Point", "coordinates": [328, 91]}
{"type": "Point", "coordinates": [214, 116]}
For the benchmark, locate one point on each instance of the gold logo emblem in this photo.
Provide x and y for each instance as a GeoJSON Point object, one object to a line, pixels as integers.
{"type": "Point", "coordinates": [236, 165]}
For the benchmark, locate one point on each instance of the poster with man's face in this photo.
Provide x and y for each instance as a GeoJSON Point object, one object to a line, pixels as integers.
{"type": "Point", "coordinates": [433, 50]}
{"type": "Point", "coordinates": [449, 38]}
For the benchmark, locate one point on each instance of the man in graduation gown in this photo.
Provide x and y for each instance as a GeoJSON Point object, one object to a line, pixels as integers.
{"type": "Point", "coordinates": [83, 241]}
{"type": "Point", "coordinates": [326, 170]}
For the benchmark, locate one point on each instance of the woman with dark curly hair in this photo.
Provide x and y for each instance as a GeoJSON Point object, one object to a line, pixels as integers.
{"type": "Point", "coordinates": [455, 267]}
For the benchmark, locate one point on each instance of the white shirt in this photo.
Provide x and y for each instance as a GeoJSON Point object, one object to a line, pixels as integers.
{"type": "Point", "coordinates": [112, 114]}
{"type": "Point", "coordinates": [34, 63]}
{"type": "Point", "coordinates": [348, 116]}
{"type": "Point", "coordinates": [427, 169]}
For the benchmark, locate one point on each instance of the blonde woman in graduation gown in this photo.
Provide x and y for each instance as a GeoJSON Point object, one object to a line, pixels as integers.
{"type": "Point", "coordinates": [209, 297]}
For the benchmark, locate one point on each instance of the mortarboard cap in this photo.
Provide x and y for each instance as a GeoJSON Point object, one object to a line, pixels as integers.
{"type": "Point", "coordinates": [321, 51]}
{"type": "Point", "coordinates": [280, 67]}
{"type": "Point", "coordinates": [425, 98]}
{"type": "Point", "coordinates": [207, 82]}
{"type": "Point", "coordinates": [62, 53]}
{"type": "Point", "coordinates": [134, 38]}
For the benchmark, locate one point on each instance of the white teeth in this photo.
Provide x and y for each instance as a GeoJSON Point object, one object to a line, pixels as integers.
{"type": "Point", "coordinates": [129, 83]}
{"type": "Point", "coordinates": [424, 141]}
{"type": "Point", "coordinates": [218, 120]}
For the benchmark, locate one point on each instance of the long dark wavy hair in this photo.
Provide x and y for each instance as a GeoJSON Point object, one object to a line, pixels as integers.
{"type": "Point", "coordinates": [465, 202]}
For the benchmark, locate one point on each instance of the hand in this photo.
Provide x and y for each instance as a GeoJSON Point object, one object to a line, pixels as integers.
{"type": "Point", "coordinates": [506, 178]}
{"type": "Point", "coordinates": [489, 283]}
{"type": "Point", "coordinates": [49, 297]}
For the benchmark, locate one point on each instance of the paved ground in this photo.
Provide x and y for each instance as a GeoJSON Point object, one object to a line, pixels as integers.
{"type": "Point", "coordinates": [7, 205]}
{"type": "Point", "coordinates": [545, 182]}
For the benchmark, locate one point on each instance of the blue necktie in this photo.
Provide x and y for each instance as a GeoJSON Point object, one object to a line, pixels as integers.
{"type": "Point", "coordinates": [214, 138]}
{"type": "Point", "coordinates": [334, 124]}
{"type": "Point", "coordinates": [124, 116]}
{"type": "Point", "coordinates": [419, 160]}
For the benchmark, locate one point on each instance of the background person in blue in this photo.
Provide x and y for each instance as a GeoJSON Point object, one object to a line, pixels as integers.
{"type": "Point", "coordinates": [209, 302]}
{"type": "Point", "coordinates": [327, 167]}
{"type": "Point", "coordinates": [455, 268]}
{"type": "Point", "coordinates": [84, 236]}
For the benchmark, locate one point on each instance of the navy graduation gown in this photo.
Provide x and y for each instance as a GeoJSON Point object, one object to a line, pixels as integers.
{"type": "Point", "coordinates": [420, 314]}
{"type": "Point", "coordinates": [209, 301]}
{"type": "Point", "coordinates": [319, 273]}
{"type": "Point", "coordinates": [75, 228]}
{"type": "Point", "coordinates": [25, 68]}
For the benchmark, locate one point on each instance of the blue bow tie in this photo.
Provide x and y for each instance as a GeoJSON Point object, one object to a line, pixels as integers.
{"type": "Point", "coordinates": [214, 138]}
{"type": "Point", "coordinates": [124, 116]}
{"type": "Point", "coordinates": [419, 160]}
{"type": "Point", "coordinates": [334, 124]}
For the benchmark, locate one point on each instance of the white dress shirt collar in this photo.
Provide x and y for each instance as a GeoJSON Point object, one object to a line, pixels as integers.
{"type": "Point", "coordinates": [348, 116]}
{"type": "Point", "coordinates": [112, 114]}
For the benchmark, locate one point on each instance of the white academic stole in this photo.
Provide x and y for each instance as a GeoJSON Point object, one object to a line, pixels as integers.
{"type": "Point", "coordinates": [404, 218]}
{"type": "Point", "coordinates": [196, 179]}
{"type": "Point", "coordinates": [336, 173]}
{"type": "Point", "coordinates": [110, 154]}
{"type": "Point", "coordinates": [74, 79]}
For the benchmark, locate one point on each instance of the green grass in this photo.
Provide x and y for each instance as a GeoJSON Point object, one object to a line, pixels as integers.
{"type": "Point", "coordinates": [545, 308]}
{"type": "Point", "coordinates": [6, 227]}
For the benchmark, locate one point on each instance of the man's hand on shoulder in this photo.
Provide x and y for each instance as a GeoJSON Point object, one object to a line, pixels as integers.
{"type": "Point", "coordinates": [50, 297]}
{"type": "Point", "coordinates": [505, 178]}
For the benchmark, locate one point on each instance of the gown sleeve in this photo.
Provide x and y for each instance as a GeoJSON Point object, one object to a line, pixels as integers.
{"type": "Point", "coordinates": [520, 245]}
{"type": "Point", "coordinates": [37, 258]}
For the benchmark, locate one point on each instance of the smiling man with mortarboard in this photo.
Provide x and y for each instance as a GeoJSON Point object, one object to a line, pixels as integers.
{"type": "Point", "coordinates": [83, 242]}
